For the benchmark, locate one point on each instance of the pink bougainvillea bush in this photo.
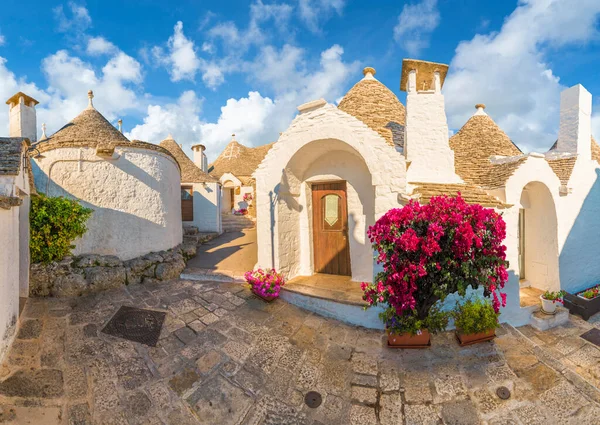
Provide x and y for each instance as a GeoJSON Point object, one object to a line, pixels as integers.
{"type": "Point", "coordinates": [266, 283]}
{"type": "Point", "coordinates": [431, 251]}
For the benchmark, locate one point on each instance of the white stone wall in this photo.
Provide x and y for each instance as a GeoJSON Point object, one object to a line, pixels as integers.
{"type": "Point", "coordinates": [9, 277]}
{"type": "Point", "coordinates": [135, 196]}
{"type": "Point", "coordinates": [280, 184]}
{"type": "Point", "coordinates": [23, 121]}
{"type": "Point", "coordinates": [575, 128]}
{"type": "Point", "coordinates": [426, 144]}
{"type": "Point", "coordinates": [207, 207]}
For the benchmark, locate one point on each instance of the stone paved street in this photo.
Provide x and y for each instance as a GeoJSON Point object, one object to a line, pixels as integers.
{"type": "Point", "coordinates": [226, 357]}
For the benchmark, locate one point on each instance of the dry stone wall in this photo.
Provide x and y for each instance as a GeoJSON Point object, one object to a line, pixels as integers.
{"type": "Point", "coordinates": [89, 273]}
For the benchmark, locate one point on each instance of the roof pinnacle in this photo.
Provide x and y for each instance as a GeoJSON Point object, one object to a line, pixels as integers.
{"type": "Point", "coordinates": [480, 109]}
{"type": "Point", "coordinates": [369, 73]}
{"type": "Point", "coordinates": [90, 97]}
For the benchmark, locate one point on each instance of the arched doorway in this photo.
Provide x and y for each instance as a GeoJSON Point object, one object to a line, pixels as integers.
{"type": "Point", "coordinates": [538, 239]}
{"type": "Point", "coordinates": [325, 205]}
{"type": "Point", "coordinates": [228, 201]}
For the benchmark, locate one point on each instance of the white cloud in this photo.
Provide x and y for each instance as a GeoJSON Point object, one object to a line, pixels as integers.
{"type": "Point", "coordinates": [97, 46]}
{"type": "Point", "coordinates": [78, 21]}
{"type": "Point", "coordinates": [314, 12]}
{"type": "Point", "coordinates": [180, 58]}
{"type": "Point", "coordinates": [256, 119]}
{"type": "Point", "coordinates": [415, 25]}
{"type": "Point", "coordinates": [2, 40]}
{"type": "Point", "coordinates": [508, 70]}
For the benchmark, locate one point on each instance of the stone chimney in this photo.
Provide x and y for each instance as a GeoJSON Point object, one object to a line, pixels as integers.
{"type": "Point", "coordinates": [22, 117]}
{"type": "Point", "coordinates": [575, 131]}
{"type": "Point", "coordinates": [426, 146]}
{"type": "Point", "coordinates": [200, 157]}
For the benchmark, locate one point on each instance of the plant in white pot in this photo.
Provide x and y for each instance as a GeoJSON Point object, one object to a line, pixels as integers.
{"type": "Point", "coordinates": [550, 299]}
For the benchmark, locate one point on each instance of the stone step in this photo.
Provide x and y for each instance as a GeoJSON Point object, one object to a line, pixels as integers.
{"type": "Point", "coordinates": [210, 275]}
{"type": "Point", "coordinates": [190, 230]}
{"type": "Point", "coordinates": [199, 238]}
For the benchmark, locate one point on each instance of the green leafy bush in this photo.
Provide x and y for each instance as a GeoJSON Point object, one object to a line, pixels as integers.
{"type": "Point", "coordinates": [436, 321]}
{"type": "Point", "coordinates": [54, 224]}
{"type": "Point", "coordinates": [473, 317]}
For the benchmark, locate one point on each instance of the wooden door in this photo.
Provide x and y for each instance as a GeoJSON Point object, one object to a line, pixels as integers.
{"type": "Point", "coordinates": [330, 228]}
{"type": "Point", "coordinates": [187, 203]}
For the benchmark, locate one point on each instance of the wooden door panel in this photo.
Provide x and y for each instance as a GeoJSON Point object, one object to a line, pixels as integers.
{"type": "Point", "coordinates": [330, 229]}
{"type": "Point", "coordinates": [187, 203]}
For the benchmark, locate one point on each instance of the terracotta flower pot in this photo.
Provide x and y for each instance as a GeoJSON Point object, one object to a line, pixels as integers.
{"type": "Point", "coordinates": [407, 340]}
{"type": "Point", "coordinates": [548, 306]}
{"type": "Point", "coordinates": [268, 298]}
{"type": "Point", "coordinates": [468, 339]}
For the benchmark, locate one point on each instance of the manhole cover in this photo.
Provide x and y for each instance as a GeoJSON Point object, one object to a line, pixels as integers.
{"type": "Point", "coordinates": [503, 393]}
{"type": "Point", "coordinates": [136, 324]}
{"type": "Point", "coordinates": [313, 399]}
{"type": "Point", "coordinates": [593, 336]}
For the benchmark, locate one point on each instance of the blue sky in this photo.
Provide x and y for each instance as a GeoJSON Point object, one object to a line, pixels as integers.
{"type": "Point", "coordinates": [203, 70]}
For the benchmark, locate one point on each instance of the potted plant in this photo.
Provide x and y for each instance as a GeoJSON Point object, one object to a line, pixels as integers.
{"type": "Point", "coordinates": [475, 321]}
{"type": "Point", "coordinates": [265, 283]}
{"type": "Point", "coordinates": [430, 251]}
{"type": "Point", "coordinates": [585, 303]}
{"type": "Point", "coordinates": [408, 331]}
{"type": "Point", "coordinates": [549, 300]}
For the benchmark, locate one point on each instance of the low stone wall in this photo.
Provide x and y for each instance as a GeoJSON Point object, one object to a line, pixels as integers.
{"type": "Point", "coordinates": [89, 273]}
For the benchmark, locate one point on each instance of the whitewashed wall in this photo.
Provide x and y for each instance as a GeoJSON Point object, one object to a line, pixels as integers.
{"type": "Point", "coordinates": [207, 207]}
{"type": "Point", "coordinates": [9, 276]}
{"type": "Point", "coordinates": [135, 196]}
{"type": "Point", "coordinates": [332, 131]}
{"type": "Point", "coordinates": [230, 184]}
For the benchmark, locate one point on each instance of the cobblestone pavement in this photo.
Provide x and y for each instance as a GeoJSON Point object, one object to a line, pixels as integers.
{"type": "Point", "coordinates": [226, 357]}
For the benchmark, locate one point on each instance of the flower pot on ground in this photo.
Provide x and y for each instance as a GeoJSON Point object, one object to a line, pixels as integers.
{"type": "Point", "coordinates": [430, 251]}
{"type": "Point", "coordinates": [408, 331]}
{"type": "Point", "coordinates": [265, 283]}
{"type": "Point", "coordinates": [550, 300]}
{"type": "Point", "coordinates": [475, 321]}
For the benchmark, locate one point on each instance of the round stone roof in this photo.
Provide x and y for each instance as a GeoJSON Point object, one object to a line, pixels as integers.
{"type": "Point", "coordinates": [374, 104]}
{"type": "Point", "coordinates": [190, 173]}
{"type": "Point", "coordinates": [90, 129]}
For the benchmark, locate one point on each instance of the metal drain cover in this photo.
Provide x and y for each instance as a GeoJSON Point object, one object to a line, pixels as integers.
{"type": "Point", "coordinates": [136, 324]}
{"type": "Point", "coordinates": [313, 399]}
{"type": "Point", "coordinates": [593, 336]}
{"type": "Point", "coordinates": [503, 393]}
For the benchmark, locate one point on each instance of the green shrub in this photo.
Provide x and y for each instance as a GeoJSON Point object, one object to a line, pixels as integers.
{"type": "Point", "coordinates": [55, 223]}
{"type": "Point", "coordinates": [475, 316]}
{"type": "Point", "coordinates": [436, 321]}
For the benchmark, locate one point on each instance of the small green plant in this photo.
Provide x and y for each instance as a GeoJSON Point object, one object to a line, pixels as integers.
{"type": "Point", "coordinates": [553, 296]}
{"type": "Point", "coordinates": [435, 322]}
{"type": "Point", "coordinates": [474, 317]}
{"type": "Point", "coordinates": [54, 224]}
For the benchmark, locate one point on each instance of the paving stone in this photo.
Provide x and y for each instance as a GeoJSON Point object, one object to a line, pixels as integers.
{"type": "Point", "coordinates": [364, 380]}
{"type": "Point", "coordinates": [390, 411]}
{"type": "Point", "coordinates": [184, 380]}
{"type": "Point", "coordinates": [209, 318]}
{"type": "Point", "coordinates": [138, 404]}
{"type": "Point", "coordinates": [42, 383]}
{"type": "Point", "coordinates": [362, 415]}
{"type": "Point", "coordinates": [185, 335]}
{"type": "Point", "coordinates": [76, 385]}
{"type": "Point", "coordinates": [196, 325]}
{"type": "Point", "coordinates": [460, 413]}
{"type": "Point", "coordinates": [30, 329]}
{"type": "Point", "coordinates": [563, 399]}
{"type": "Point", "coordinates": [79, 414]}
{"type": "Point", "coordinates": [220, 402]}
{"type": "Point", "coordinates": [540, 377]}
{"type": "Point", "coordinates": [209, 361]}
{"type": "Point", "coordinates": [485, 401]}
{"type": "Point", "coordinates": [364, 395]}
{"type": "Point", "coordinates": [531, 414]}
{"type": "Point", "coordinates": [237, 351]}
{"type": "Point", "coordinates": [364, 363]}
{"type": "Point", "coordinates": [132, 373]}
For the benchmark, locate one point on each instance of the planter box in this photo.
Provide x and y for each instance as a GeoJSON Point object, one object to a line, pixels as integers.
{"type": "Point", "coordinates": [409, 341]}
{"type": "Point", "coordinates": [468, 339]}
{"type": "Point", "coordinates": [582, 306]}
{"type": "Point", "coordinates": [267, 299]}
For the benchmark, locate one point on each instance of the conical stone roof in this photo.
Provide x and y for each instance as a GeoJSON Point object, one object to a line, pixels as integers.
{"type": "Point", "coordinates": [374, 104]}
{"type": "Point", "coordinates": [239, 160]}
{"type": "Point", "coordinates": [190, 173]}
{"type": "Point", "coordinates": [473, 145]}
